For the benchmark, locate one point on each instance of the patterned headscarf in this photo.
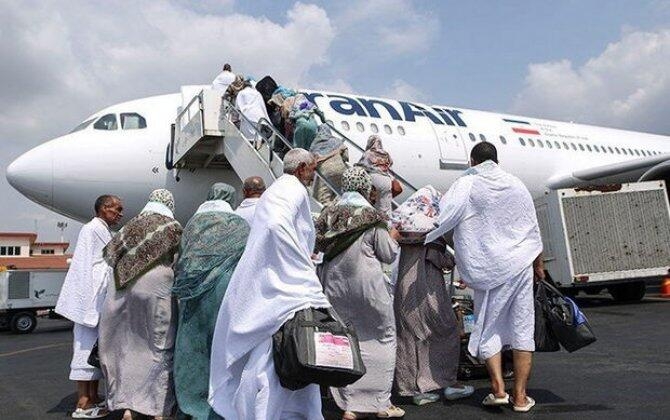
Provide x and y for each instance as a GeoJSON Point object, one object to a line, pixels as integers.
{"type": "Point", "coordinates": [325, 144]}
{"type": "Point", "coordinates": [162, 196]}
{"type": "Point", "coordinates": [222, 191]}
{"type": "Point", "coordinates": [149, 239]}
{"type": "Point", "coordinates": [357, 179]}
{"type": "Point", "coordinates": [375, 157]}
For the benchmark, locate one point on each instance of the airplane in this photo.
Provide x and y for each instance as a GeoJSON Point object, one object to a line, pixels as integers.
{"type": "Point", "coordinates": [121, 150]}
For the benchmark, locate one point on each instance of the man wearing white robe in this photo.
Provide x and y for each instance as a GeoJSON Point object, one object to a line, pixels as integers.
{"type": "Point", "coordinates": [81, 298]}
{"type": "Point", "coordinates": [273, 280]}
{"type": "Point", "coordinates": [250, 102]}
{"type": "Point", "coordinates": [252, 189]}
{"type": "Point", "coordinates": [224, 79]}
{"type": "Point", "coordinates": [498, 252]}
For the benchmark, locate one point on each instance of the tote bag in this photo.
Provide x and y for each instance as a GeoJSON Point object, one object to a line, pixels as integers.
{"type": "Point", "coordinates": [315, 347]}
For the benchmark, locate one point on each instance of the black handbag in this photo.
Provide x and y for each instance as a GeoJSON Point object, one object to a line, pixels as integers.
{"type": "Point", "coordinates": [94, 357]}
{"type": "Point", "coordinates": [315, 347]}
{"type": "Point", "coordinates": [545, 339]}
{"type": "Point", "coordinates": [567, 321]}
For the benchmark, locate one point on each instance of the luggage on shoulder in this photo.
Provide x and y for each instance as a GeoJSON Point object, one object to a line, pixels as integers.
{"type": "Point", "coordinates": [266, 87]}
{"type": "Point", "coordinates": [315, 347]}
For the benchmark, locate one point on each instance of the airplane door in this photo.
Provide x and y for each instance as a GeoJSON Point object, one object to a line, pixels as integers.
{"type": "Point", "coordinates": [453, 154]}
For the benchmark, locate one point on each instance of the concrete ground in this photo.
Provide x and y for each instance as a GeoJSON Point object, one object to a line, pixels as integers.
{"type": "Point", "coordinates": [625, 374]}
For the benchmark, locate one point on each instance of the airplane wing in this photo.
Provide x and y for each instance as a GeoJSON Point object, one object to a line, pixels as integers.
{"type": "Point", "coordinates": [648, 168]}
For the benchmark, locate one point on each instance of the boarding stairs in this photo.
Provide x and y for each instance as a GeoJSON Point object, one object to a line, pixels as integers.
{"type": "Point", "coordinates": [206, 135]}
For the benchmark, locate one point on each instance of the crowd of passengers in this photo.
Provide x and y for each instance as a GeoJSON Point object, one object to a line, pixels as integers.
{"type": "Point", "coordinates": [182, 318]}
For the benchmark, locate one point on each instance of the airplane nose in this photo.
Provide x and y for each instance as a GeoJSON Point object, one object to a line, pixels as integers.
{"type": "Point", "coordinates": [32, 174]}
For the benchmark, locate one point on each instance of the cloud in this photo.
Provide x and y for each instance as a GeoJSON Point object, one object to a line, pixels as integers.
{"type": "Point", "coordinates": [626, 86]}
{"type": "Point", "coordinates": [62, 61]}
{"type": "Point", "coordinates": [390, 28]}
{"type": "Point", "coordinates": [403, 91]}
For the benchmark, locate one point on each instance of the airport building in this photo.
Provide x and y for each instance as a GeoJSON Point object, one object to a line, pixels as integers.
{"type": "Point", "coordinates": [21, 251]}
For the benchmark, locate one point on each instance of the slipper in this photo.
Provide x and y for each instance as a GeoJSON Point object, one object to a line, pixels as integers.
{"type": "Point", "coordinates": [392, 412]}
{"type": "Point", "coordinates": [425, 398]}
{"type": "Point", "coordinates": [492, 401]}
{"type": "Point", "coordinates": [94, 412]}
{"type": "Point", "coordinates": [530, 403]}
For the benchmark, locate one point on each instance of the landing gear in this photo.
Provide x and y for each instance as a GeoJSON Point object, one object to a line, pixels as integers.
{"type": "Point", "coordinates": [629, 292]}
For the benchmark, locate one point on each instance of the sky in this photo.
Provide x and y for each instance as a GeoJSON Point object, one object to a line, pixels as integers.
{"type": "Point", "coordinates": [601, 62]}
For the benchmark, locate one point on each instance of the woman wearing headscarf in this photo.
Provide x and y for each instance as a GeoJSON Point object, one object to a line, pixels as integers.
{"type": "Point", "coordinates": [428, 335]}
{"type": "Point", "coordinates": [138, 319]}
{"type": "Point", "coordinates": [378, 162]}
{"type": "Point", "coordinates": [211, 245]}
{"type": "Point", "coordinates": [331, 155]}
{"type": "Point", "coordinates": [355, 241]}
{"type": "Point", "coordinates": [303, 114]}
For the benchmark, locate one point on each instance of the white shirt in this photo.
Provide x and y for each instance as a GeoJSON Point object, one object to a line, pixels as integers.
{"type": "Point", "coordinates": [496, 235]}
{"type": "Point", "coordinates": [221, 82]}
{"type": "Point", "coordinates": [247, 209]}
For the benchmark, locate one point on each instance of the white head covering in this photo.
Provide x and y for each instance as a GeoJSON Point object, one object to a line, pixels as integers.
{"type": "Point", "coordinates": [274, 279]}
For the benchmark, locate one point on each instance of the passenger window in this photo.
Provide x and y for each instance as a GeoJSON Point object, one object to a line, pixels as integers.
{"type": "Point", "coordinates": [330, 122]}
{"type": "Point", "coordinates": [589, 147]}
{"type": "Point", "coordinates": [565, 146]}
{"type": "Point", "coordinates": [523, 143]}
{"type": "Point", "coordinates": [503, 140]}
{"type": "Point", "coordinates": [630, 151]}
{"type": "Point", "coordinates": [581, 147]}
{"type": "Point", "coordinates": [557, 144]}
{"type": "Point", "coordinates": [637, 152]}
{"type": "Point", "coordinates": [618, 152]}
{"type": "Point", "coordinates": [624, 151]}
{"type": "Point", "coordinates": [573, 146]}
{"type": "Point", "coordinates": [401, 130]}
{"type": "Point", "coordinates": [360, 127]}
{"type": "Point", "coordinates": [345, 126]}
{"type": "Point", "coordinates": [610, 149]}
{"type": "Point", "coordinates": [482, 137]}
{"type": "Point", "coordinates": [549, 144]}
{"type": "Point", "coordinates": [530, 141]}
{"type": "Point", "coordinates": [472, 137]}
{"type": "Point", "coordinates": [82, 125]}
{"type": "Point", "coordinates": [387, 129]}
{"type": "Point", "coordinates": [596, 148]}
{"type": "Point", "coordinates": [539, 143]}
{"type": "Point", "coordinates": [106, 122]}
{"type": "Point", "coordinates": [374, 128]}
{"type": "Point", "coordinates": [132, 121]}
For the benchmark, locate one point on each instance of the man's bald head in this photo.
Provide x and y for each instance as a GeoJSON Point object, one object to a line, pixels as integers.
{"type": "Point", "coordinates": [253, 187]}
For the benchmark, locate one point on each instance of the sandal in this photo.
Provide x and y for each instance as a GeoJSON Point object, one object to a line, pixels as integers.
{"type": "Point", "coordinates": [530, 403]}
{"type": "Point", "coordinates": [349, 415]}
{"type": "Point", "coordinates": [94, 412]}
{"type": "Point", "coordinates": [392, 412]}
{"type": "Point", "coordinates": [425, 398]}
{"type": "Point", "coordinates": [492, 401]}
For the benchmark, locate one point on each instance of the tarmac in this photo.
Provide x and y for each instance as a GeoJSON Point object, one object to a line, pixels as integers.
{"type": "Point", "coordinates": [625, 374]}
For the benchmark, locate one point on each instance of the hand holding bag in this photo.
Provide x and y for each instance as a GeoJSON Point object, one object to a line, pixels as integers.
{"type": "Point", "coordinates": [545, 339]}
{"type": "Point", "coordinates": [567, 321]}
{"type": "Point", "coordinates": [94, 357]}
{"type": "Point", "coordinates": [315, 347]}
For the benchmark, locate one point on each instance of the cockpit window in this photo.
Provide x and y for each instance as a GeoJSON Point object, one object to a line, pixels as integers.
{"type": "Point", "coordinates": [132, 121]}
{"type": "Point", "coordinates": [82, 125]}
{"type": "Point", "coordinates": [106, 122]}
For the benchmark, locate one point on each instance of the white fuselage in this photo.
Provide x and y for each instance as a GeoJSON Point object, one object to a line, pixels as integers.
{"type": "Point", "coordinates": [429, 145]}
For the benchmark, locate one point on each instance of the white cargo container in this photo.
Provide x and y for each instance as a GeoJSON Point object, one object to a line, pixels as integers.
{"type": "Point", "coordinates": [612, 237]}
{"type": "Point", "coordinates": [23, 293]}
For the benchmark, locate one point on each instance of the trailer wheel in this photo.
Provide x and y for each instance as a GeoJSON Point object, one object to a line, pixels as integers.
{"type": "Point", "coordinates": [629, 292]}
{"type": "Point", "coordinates": [23, 322]}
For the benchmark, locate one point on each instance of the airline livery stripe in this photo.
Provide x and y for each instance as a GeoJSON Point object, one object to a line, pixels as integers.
{"type": "Point", "coordinates": [516, 121]}
{"type": "Point", "coordinates": [525, 131]}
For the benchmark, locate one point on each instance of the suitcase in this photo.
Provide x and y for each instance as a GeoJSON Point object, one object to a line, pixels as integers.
{"type": "Point", "coordinates": [266, 86]}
